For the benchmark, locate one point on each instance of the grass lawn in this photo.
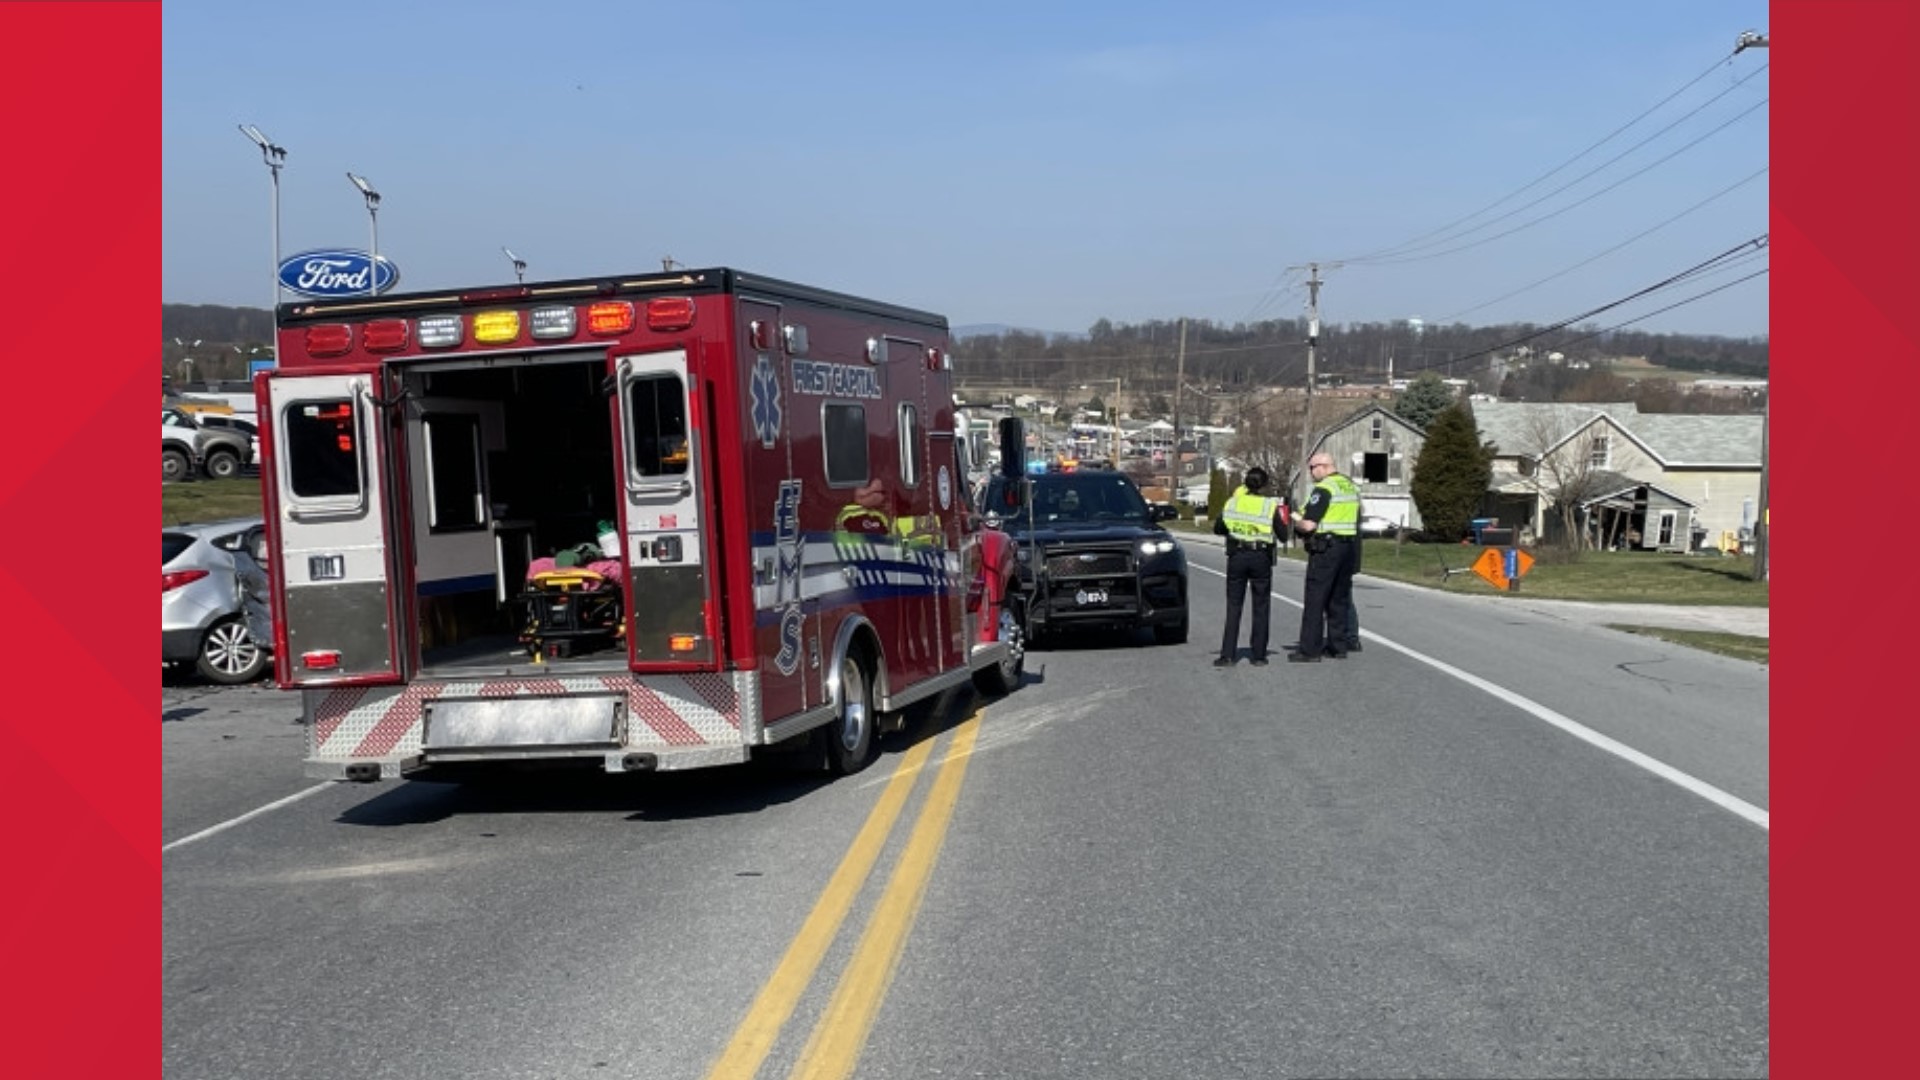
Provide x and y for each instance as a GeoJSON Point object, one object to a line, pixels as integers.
{"type": "Point", "coordinates": [1617, 576]}
{"type": "Point", "coordinates": [1738, 646]}
{"type": "Point", "coordinates": [195, 501]}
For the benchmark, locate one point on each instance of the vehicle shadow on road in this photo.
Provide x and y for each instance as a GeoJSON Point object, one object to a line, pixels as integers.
{"type": "Point", "coordinates": [774, 776]}
{"type": "Point", "coordinates": [1092, 640]}
{"type": "Point", "coordinates": [669, 796]}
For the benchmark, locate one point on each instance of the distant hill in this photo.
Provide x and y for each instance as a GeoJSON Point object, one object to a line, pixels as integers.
{"type": "Point", "coordinates": [1002, 329]}
{"type": "Point", "coordinates": [214, 324]}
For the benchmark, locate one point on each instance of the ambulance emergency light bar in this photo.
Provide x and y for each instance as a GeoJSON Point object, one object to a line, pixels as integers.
{"type": "Point", "coordinates": [501, 326]}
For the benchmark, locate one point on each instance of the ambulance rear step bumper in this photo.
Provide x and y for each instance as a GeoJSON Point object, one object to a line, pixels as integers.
{"type": "Point", "coordinates": [652, 759]}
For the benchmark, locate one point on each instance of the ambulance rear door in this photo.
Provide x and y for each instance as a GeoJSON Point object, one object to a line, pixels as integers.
{"type": "Point", "coordinates": [332, 530]}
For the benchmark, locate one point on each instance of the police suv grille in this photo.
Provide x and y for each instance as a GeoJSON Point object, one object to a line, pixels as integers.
{"type": "Point", "coordinates": [1089, 564]}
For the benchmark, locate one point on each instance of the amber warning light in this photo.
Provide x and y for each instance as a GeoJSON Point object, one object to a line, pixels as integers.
{"type": "Point", "coordinates": [610, 317]}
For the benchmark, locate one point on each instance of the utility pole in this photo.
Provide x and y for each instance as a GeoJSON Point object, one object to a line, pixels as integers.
{"type": "Point", "coordinates": [1179, 385]}
{"type": "Point", "coordinates": [1753, 39]}
{"type": "Point", "coordinates": [1313, 337]}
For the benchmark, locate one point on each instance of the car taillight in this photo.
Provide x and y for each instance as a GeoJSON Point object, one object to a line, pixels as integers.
{"type": "Point", "coordinates": [172, 581]}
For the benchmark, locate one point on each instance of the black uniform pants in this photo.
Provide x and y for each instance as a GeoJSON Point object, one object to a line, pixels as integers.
{"type": "Point", "coordinates": [1329, 597]}
{"type": "Point", "coordinates": [1248, 568]}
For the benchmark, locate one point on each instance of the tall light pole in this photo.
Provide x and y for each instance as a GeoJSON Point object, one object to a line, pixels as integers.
{"type": "Point", "coordinates": [186, 361]}
{"type": "Point", "coordinates": [274, 156]}
{"type": "Point", "coordinates": [519, 265]}
{"type": "Point", "coordinates": [373, 223]}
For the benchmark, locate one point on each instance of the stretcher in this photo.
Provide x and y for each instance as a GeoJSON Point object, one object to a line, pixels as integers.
{"type": "Point", "coordinates": [572, 610]}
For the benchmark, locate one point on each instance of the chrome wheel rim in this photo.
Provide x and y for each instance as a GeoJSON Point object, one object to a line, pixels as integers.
{"type": "Point", "coordinates": [230, 650]}
{"type": "Point", "coordinates": [1016, 643]}
{"type": "Point", "coordinates": [853, 706]}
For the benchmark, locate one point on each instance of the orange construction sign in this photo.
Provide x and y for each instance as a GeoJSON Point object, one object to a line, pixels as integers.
{"type": "Point", "coordinates": [1503, 569]}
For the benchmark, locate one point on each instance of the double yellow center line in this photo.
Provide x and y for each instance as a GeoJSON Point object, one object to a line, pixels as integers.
{"type": "Point", "coordinates": [838, 1036]}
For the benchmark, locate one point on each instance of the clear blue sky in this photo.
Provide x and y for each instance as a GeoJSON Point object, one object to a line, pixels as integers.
{"type": "Point", "coordinates": [1036, 164]}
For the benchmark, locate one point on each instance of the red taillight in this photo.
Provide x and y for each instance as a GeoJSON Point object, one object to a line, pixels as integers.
{"type": "Point", "coordinates": [670, 313]}
{"type": "Point", "coordinates": [332, 339]}
{"type": "Point", "coordinates": [321, 660]}
{"type": "Point", "coordinates": [384, 335]}
{"type": "Point", "coordinates": [172, 581]}
{"type": "Point", "coordinates": [610, 317]}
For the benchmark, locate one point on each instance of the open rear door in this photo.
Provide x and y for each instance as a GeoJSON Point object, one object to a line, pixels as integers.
{"type": "Point", "coordinates": [663, 450]}
{"type": "Point", "coordinates": [334, 567]}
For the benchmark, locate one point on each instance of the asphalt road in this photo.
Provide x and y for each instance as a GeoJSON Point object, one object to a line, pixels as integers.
{"type": "Point", "coordinates": [1496, 843]}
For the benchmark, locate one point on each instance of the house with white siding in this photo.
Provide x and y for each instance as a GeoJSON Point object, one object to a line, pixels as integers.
{"type": "Point", "coordinates": [1651, 481]}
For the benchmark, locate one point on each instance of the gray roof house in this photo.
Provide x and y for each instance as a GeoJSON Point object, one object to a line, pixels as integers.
{"type": "Point", "coordinates": [1652, 481]}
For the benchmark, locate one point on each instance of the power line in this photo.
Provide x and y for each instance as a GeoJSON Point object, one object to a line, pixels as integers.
{"type": "Point", "coordinates": [1690, 272]}
{"type": "Point", "coordinates": [1405, 252]}
{"type": "Point", "coordinates": [1550, 215]}
{"type": "Point", "coordinates": [1711, 68]}
{"type": "Point", "coordinates": [1670, 307]}
{"type": "Point", "coordinates": [1762, 171]}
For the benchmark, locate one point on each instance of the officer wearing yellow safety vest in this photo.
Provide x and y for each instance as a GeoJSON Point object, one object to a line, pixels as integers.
{"type": "Point", "coordinates": [1330, 523]}
{"type": "Point", "coordinates": [1252, 522]}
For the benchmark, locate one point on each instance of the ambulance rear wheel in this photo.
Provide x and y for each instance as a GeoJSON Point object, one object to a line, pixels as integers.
{"type": "Point", "coordinates": [850, 740]}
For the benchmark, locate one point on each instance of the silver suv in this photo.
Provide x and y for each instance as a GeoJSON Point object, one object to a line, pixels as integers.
{"type": "Point", "coordinates": [211, 592]}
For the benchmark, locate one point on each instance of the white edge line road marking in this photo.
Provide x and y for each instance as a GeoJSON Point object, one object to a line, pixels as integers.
{"type": "Point", "coordinates": [1572, 727]}
{"type": "Point", "coordinates": [249, 815]}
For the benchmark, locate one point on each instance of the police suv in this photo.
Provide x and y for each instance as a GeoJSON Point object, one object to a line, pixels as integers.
{"type": "Point", "coordinates": [1090, 553]}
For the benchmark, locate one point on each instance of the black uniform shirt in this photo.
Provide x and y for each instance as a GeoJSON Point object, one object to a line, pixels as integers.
{"type": "Point", "coordinates": [1317, 504]}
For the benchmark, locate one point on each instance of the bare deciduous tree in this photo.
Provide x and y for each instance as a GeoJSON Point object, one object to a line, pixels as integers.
{"type": "Point", "coordinates": [1564, 471]}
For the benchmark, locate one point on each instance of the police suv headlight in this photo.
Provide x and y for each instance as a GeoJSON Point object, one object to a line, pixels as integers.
{"type": "Point", "coordinates": [1159, 546]}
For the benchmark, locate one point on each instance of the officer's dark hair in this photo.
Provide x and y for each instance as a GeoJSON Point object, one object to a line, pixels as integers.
{"type": "Point", "coordinates": [1256, 478]}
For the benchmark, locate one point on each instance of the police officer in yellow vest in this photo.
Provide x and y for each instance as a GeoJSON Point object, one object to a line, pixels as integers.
{"type": "Point", "coordinates": [1252, 522]}
{"type": "Point", "coordinates": [1330, 523]}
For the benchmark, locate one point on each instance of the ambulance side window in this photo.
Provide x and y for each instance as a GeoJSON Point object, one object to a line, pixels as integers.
{"type": "Point", "coordinates": [845, 430]}
{"type": "Point", "coordinates": [323, 450]}
{"type": "Point", "coordinates": [910, 449]}
{"type": "Point", "coordinates": [657, 418]}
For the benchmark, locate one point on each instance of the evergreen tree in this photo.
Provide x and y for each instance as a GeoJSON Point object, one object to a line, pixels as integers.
{"type": "Point", "coordinates": [1423, 399]}
{"type": "Point", "coordinates": [1217, 492]}
{"type": "Point", "coordinates": [1452, 473]}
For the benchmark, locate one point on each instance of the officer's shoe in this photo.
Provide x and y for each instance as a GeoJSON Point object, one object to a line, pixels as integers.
{"type": "Point", "coordinates": [1337, 654]}
{"type": "Point", "coordinates": [1301, 658]}
{"type": "Point", "coordinates": [1259, 661]}
{"type": "Point", "coordinates": [1353, 646]}
{"type": "Point", "coordinates": [1223, 661]}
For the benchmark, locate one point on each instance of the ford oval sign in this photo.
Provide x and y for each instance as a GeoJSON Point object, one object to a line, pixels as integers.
{"type": "Point", "coordinates": [337, 272]}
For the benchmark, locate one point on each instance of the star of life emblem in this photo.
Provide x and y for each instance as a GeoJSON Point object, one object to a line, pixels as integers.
{"type": "Point", "coordinates": [765, 393]}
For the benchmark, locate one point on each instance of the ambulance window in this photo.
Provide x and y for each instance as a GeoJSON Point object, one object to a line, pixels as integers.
{"type": "Point", "coordinates": [845, 427]}
{"type": "Point", "coordinates": [453, 471]}
{"type": "Point", "coordinates": [910, 449]}
{"type": "Point", "coordinates": [657, 419]}
{"type": "Point", "coordinates": [323, 452]}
